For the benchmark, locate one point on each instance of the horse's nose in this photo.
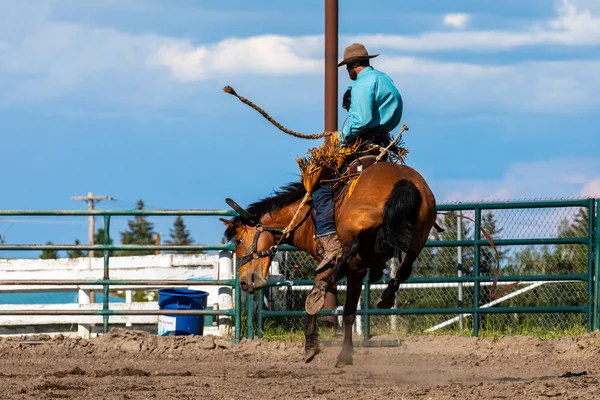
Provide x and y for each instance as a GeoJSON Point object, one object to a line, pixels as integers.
{"type": "Point", "coordinates": [258, 281]}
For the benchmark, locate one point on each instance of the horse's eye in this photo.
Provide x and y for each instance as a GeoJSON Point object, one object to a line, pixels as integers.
{"type": "Point", "coordinates": [238, 242]}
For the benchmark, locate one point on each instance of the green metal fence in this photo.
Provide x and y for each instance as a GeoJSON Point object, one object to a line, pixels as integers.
{"type": "Point", "coordinates": [550, 248]}
{"type": "Point", "coordinates": [106, 282]}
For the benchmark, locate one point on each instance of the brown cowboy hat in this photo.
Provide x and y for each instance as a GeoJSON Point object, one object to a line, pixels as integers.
{"type": "Point", "coordinates": [355, 52]}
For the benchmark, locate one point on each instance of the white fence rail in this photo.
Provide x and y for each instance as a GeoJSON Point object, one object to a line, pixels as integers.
{"type": "Point", "coordinates": [195, 267]}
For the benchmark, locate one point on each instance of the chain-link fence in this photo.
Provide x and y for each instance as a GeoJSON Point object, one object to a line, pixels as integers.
{"type": "Point", "coordinates": [548, 246]}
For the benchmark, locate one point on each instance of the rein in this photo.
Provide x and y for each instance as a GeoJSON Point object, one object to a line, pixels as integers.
{"type": "Point", "coordinates": [254, 253]}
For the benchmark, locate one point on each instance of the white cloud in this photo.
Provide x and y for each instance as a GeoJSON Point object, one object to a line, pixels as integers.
{"type": "Point", "coordinates": [591, 188]}
{"type": "Point", "coordinates": [458, 20]}
{"type": "Point", "coordinates": [576, 23]}
{"type": "Point", "coordinates": [555, 178]}
{"type": "Point", "coordinates": [45, 59]}
{"type": "Point", "coordinates": [269, 55]}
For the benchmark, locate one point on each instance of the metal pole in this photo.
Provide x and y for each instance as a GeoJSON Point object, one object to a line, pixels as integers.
{"type": "Point", "coordinates": [597, 266]}
{"type": "Point", "coordinates": [591, 283]}
{"type": "Point", "coordinates": [106, 264]}
{"type": "Point", "coordinates": [91, 223]}
{"type": "Point", "coordinates": [476, 283]}
{"type": "Point", "coordinates": [259, 314]}
{"type": "Point", "coordinates": [459, 260]}
{"type": "Point", "coordinates": [250, 316]}
{"type": "Point", "coordinates": [331, 107]}
{"type": "Point", "coordinates": [367, 318]}
{"type": "Point", "coordinates": [331, 60]}
{"type": "Point", "coordinates": [225, 292]}
{"type": "Point", "coordinates": [238, 303]}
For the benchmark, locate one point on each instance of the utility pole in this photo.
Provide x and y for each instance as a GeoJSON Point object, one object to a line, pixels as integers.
{"type": "Point", "coordinates": [89, 296]}
{"type": "Point", "coordinates": [90, 198]}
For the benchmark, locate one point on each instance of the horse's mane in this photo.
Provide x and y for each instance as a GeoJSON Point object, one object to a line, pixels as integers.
{"type": "Point", "coordinates": [288, 194]}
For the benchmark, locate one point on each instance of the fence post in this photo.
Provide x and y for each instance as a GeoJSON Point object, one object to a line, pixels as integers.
{"type": "Point", "coordinates": [366, 299]}
{"type": "Point", "coordinates": [250, 316]}
{"type": "Point", "coordinates": [238, 304]}
{"type": "Point", "coordinates": [476, 238]}
{"type": "Point", "coordinates": [225, 292]}
{"type": "Point", "coordinates": [84, 298]}
{"type": "Point", "coordinates": [106, 275]}
{"type": "Point", "coordinates": [591, 275]}
{"type": "Point", "coordinates": [597, 265]}
{"type": "Point", "coordinates": [459, 260]}
{"type": "Point", "coordinates": [259, 314]}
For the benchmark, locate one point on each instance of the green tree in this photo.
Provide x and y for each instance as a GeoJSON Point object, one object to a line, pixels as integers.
{"type": "Point", "coordinates": [572, 258]}
{"type": "Point", "coordinates": [99, 239]}
{"type": "Point", "coordinates": [488, 258]}
{"type": "Point", "coordinates": [181, 236]}
{"type": "Point", "coordinates": [49, 254]}
{"type": "Point", "coordinates": [140, 232]}
{"type": "Point", "coordinates": [77, 253]}
{"type": "Point", "coordinates": [445, 262]}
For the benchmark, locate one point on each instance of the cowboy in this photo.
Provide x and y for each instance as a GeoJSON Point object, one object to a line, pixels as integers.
{"type": "Point", "coordinates": [374, 108]}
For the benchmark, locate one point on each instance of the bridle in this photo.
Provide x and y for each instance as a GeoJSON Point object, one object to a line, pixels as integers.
{"type": "Point", "coordinates": [254, 253]}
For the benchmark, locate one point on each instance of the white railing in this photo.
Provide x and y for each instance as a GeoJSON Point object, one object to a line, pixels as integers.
{"type": "Point", "coordinates": [149, 268]}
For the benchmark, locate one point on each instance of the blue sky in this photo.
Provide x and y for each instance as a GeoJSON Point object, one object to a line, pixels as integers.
{"type": "Point", "coordinates": [123, 98]}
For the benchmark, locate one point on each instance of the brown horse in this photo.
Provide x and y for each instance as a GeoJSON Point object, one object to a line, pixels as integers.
{"type": "Point", "coordinates": [389, 212]}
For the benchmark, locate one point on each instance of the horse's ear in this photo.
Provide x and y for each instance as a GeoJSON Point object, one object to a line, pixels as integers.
{"type": "Point", "coordinates": [227, 222]}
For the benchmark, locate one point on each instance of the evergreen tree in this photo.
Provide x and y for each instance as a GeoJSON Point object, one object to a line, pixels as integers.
{"type": "Point", "coordinates": [488, 259]}
{"type": "Point", "coordinates": [446, 263]}
{"type": "Point", "coordinates": [181, 236]}
{"type": "Point", "coordinates": [140, 231]}
{"type": "Point", "coordinates": [49, 254]}
{"type": "Point", "coordinates": [99, 239]}
{"type": "Point", "coordinates": [572, 258]}
{"type": "Point", "coordinates": [77, 253]}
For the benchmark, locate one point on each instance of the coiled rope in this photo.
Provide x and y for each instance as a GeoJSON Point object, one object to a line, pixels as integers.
{"type": "Point", "coordinates": [229, 89]}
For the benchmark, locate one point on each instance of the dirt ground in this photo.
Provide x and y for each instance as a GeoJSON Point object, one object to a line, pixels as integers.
{"type": "Point", "coordinates": [136, 365]}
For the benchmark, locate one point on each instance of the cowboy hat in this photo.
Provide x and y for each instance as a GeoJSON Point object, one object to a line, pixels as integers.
{"type": "Point", "coordinates": [355, 52]}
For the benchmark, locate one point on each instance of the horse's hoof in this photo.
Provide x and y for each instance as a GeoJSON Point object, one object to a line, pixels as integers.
{"type": "Point", "coordinates": [315, 301]}
{"type": "Point", "coordinates": [386, 303]}
{"type": "Point", "coordinates": [343, 361]}
{"type": "Point", "coordinates": [311, 353]}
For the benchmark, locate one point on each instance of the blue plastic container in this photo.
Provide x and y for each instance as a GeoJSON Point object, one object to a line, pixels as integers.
{"type": "Point", "coordinates": [181, 299]}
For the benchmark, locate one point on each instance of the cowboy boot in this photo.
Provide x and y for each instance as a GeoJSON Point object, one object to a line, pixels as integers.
{"type": "Point", "coordinates": [328, 247]}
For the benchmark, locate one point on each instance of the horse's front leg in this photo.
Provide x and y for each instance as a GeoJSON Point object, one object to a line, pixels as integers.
{"type": "Point", "coordinates": [311, 338]}
{"type": "Point", "coordinates": [355, 281]}
{"type": "Point", "coordinates": [326, 279]}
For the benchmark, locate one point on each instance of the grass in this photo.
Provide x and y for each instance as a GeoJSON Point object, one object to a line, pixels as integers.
{"type": "Point", "coordinates": [273, 331]}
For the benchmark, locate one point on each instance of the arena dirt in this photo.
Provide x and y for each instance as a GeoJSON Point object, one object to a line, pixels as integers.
{"type": "Point", "coordinates": [127, 364]}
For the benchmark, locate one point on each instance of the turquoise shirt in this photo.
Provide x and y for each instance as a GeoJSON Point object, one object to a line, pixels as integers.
{"type": "Point", "coordinates": [374, 102]}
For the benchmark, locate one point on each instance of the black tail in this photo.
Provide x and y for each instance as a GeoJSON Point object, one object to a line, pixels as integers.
{"type": "Point", "coordinates": [400, 215]}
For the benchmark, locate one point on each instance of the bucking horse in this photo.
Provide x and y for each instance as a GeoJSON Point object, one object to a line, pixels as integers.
{"type": "Point", "coordinates": [389, 213]}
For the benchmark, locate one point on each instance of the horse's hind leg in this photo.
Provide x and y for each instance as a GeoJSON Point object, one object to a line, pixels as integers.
{"type": "Point", "coordinates": [388, 296]}
{"type": "Point", "coordinates": [355, 280]}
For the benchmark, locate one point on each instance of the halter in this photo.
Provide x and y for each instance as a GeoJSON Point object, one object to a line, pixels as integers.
{"type": "Point", "coordinates": [254, 253]}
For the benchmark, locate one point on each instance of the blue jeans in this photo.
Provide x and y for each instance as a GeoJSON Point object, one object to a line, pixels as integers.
{"type": "Point", "coordinates": [322, 198]}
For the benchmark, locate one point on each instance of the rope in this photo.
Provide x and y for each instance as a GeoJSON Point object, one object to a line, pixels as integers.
{"type": "Point", "coordinates": [288, 229]}
{"type": "Point", "coordinates": [404, 128]}
{"type": "Point", "coordinates": [229, 89]}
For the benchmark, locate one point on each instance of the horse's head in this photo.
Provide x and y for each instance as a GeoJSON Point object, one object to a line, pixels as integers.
{"type": "Point", "coordinates": [253, 248]}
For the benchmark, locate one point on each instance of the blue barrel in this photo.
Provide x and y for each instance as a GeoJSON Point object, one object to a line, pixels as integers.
{"type": "Point", "coordinates": [181, 299]}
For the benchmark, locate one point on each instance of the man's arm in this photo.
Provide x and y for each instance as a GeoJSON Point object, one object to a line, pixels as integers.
{"type": "Point", "coordinates": [360, 113]}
